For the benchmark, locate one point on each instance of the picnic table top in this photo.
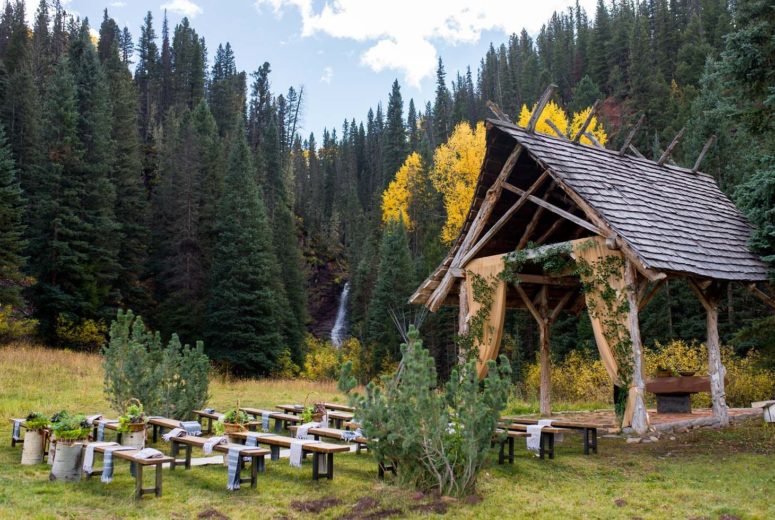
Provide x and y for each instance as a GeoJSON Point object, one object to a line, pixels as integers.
{"type": "Point", "coordinates": [547, 429]}
{"type": "Point", "coordinates": [339, 407]}
{"type": "Point", "coordinates": [762, 404]}
{"type": "Point", "coordinates": [164, 422]}
{"type": "Point", "coordinates": [256, 412]}
{"type": "Point", "coordinates": [678, 385]}
{"type": "Point", "coordinates": [210, 415]}
{"type": "Point", "coordinates": [110, 424]}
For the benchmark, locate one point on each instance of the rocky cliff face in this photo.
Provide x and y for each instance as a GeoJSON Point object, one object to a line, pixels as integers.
{"type": "Point", "coordinates": [324, 286]}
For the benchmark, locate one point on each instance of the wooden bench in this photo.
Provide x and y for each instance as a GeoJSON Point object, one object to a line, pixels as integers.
{"type": "Point", "coordinates": [210, 416]}
{"type": "Point", "coordinates": [507, 439]}
{"type": "Point", "coordinates": [589, 430]}
{"type": "Point", "coordinates": [138, 465]}
{"type": "Point", "coordinates": [333, 433]}
{"type": "Point", "coordinates": [337, 416]}
{"type": "Point", "coordinates": [159, 424]}
{"type": "Point", "coordinates": [256, 455]}
{"type": "Point", "coordinates": [322, 452]}
{"type": "Point", "coordinates": [336, 407]}
{"type": "Point", "coordinates": [281, 420]}
{"type": "Point", "coordinates": [547, 437]}
{"type": "Point", "coordinates": [110, 424]}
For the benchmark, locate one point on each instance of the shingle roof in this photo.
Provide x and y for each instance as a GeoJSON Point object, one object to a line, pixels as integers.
{"type": "Point", "coordinates": [674, 219]}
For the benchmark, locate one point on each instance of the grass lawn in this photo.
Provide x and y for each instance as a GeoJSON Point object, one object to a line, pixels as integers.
{"type": "Point", "coordinates": [702, 474]}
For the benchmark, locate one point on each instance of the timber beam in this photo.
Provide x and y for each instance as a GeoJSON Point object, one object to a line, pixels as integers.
{"type": "Point", "coordinates": [666, 155]}
{"type": "Point", "coordinates": [704, 151]}
{"type": "Point", "coordinates": [554, 128]}
{"type": "Point", "coordinates": [631, 136]}
{"type": "Point", "coordinates": [763, 295]}
{"type": "Point", "coordinates": [542, 102]}
{"type": "Point", "coordinates": [587, 122]}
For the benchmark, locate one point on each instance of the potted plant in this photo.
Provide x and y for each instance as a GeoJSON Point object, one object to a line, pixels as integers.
{"type": "Point", "coordinates": [70, 432]}
{"type": "Point", "coordinates": [313, 412]}
{"type": "Point", "coordinates": [132, 424]}
{"type": "Point", "coordinates": [36, 425]}
{"type": "Point", "coordinates": [233, 421]}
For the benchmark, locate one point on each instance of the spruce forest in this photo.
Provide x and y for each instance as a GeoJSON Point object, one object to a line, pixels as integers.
{"type": "Point", "coordinates": [140, 169]}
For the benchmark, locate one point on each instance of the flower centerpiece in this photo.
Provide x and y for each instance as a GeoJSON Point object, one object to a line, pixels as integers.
{"type": "Point", "coordinates": [36, 425]}
{"type": "Point", "coordinates": [70, 431]}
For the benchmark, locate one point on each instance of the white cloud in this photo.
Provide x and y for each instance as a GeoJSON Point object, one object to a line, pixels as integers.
{"type": "Point", "coordinates": [117, 4]}
{"type": "Point", "coordinates": [183, 7]}
{"type": "Point", "coordinates": [403, 33]}
{"type": "Point", "coordinates": [328, 75]}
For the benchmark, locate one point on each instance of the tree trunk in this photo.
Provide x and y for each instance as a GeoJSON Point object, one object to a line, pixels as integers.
{"type": "Point", "coordinates": [716, 369]}
{"type": "Point", "coordinates": [640, 420]}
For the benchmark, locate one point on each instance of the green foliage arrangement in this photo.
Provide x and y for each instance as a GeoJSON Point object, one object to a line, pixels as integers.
{"type": "Point", "coordinates": [36, 421]}
{"type": "Point", "coordinates": [70, 428]}
{"type": "Point", "coordinates": [235, 416]}
{"type": "Point", "coordinates": [437, 437]}
{"type": "Point", "coordinates": [170, 381]}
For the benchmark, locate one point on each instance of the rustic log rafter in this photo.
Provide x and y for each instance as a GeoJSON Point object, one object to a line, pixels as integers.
{"type": "Point", "coordinates": [594, 140]}
{"type": "Point", "coordinates": [704, 151]}
{"type": "Point", "coordinates": [542, 102]}
{"type": "Point", "coordinates": [677, 139]}
{"type": "Point", "coordinates": [631, 136]}
{"type": "Point", "coordinates": [534, 221]}
{"type": "Point", "coordinates": [477, 227]}
{"type": "Point", "coordinates": [636, 152]}
{"type": "Point", "coordinates": [554, 209]}
{"type": "Point", "coordinates": [556, 130]}
{"type": "Point", "coordinates": [763, 295]}
{"type": "Point", "coordinates": [497, 112]}
{"type": "Point", "coordinates": [644, 297]}
{"type": "Point", "coordinates": [587, 122]}
{"type": "Point", "coordinates": [525, 196]}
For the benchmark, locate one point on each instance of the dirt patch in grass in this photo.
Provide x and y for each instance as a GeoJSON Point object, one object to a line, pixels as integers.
{"type": "Point", "coordinates": [364, 504]}
{"type": "Point", "coordinates": [382, 513]}
{"type": "Point", "coordinates": [437, 507]}
{"type": "Point", "coordinates": [212, 514]}
{"type": "Point", "coordinates": [315, 506]}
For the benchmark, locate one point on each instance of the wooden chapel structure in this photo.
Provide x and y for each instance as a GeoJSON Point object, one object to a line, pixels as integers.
{"type": "Point", "coordinates": [667, 222]}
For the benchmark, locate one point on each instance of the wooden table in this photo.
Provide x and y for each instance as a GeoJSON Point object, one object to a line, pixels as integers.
{"type": "Point", "coordinates": [674, 393]}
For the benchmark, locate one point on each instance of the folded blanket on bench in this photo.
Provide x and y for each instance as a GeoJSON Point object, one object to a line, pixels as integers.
{"type": "Point", "coordinates": [17, 429]}
{"type": "Point", "coordinates": [349, 436]}
{"type": "Point", "coordinates": [297, 449]}
{"type": "Point", "coordinates": [175, 432]}
{"type": "Point", "coordinates": [251, 438]}
{"type": "Point", "coordinates": [265, 421]}
{"type": "Point", "coordinates": [101, 429]}
{"type": "Point", "coordinates": [303, 431]}
{"type": "Point", "coordinates": [149, 453]}
{"type": "Point", "coordinates": [107, 462]}
{"type": "Point", "coordinates": [192, 427]}
{"type": "Point", "coordinates": [209, 410]}
{"type": "Point", "coordinates": [534, 441]}
{"type": "Point", "coordinates": [88, 454]}
{"type": "Point", "coordinates": [211, 443]}
{"type": "Point", "coordinates": [90, 420]}
{"type": "Point", "coordinates": [233, 477]}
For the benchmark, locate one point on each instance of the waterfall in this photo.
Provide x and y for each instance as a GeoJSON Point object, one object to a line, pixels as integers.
{"type": "Point", "coordinates": [339, 331]}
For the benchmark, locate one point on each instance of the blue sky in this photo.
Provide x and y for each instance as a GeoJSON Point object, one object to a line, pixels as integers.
{"type": "Point", "coordinates": [345, 53]}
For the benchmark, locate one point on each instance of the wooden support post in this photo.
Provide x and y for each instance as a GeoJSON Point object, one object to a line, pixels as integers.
{"type": "Point", "coordinates": [704, 151]}
{"type": "Point", "coordinates": [710, 298]}
{"type": "Point", "coordinates": [631, 136]}
{"type": "Point", "coordinates": [640, 420]}
{"type": "Point", "coordinates": [497, 112]}
{"type": "Point", "coordinates": [546, 359]}
{"type": "Point", "coordinates": [542, 102]}
{"type": "Point", "coordinates": [768, 299]}
{"type": "Point", "coordinates": [533, 222]}
{"type": "Point", "coordinates": [636, 152]}
{"type": "Point", "coordinates": [462, 318]}
{"type": "Point", "coordinates": [670, 148]}
{"type": "Point", "coordinates": [593, 139]}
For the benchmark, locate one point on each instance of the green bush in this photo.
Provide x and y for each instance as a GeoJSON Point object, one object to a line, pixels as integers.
{"type": "Point", "coordinates": [170, 381]}
{"type": "Point", "coordinates": [438, 438]}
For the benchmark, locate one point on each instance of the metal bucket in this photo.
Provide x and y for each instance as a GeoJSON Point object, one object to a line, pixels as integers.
{"type": "Point", "coordinates": [32, 452]}
{"type": "Point", "coordinates": [67, 463]}
{"type": "Point", "coordinates": [134, 439]}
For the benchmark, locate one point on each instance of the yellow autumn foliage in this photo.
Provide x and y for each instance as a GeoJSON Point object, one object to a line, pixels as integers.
{"type": "Point", "coordinates": [398, 195]}
{"type": "Point", "coordinates": [456, 169]}
{"type": "Point", "coordinates": [560, 118]}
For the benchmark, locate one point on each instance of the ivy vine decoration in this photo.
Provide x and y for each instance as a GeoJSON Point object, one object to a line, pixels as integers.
{"type": "Point", "coordinates": [483, 290]}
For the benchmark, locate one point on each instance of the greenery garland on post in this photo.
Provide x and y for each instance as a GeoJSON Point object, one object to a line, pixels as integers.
{"type": "Point", "coordinates": [594, 276]}
{"type": "Point", "coordinates": [483, 289]}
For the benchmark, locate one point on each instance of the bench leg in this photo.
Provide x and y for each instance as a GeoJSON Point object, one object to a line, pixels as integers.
{"type": "Point", "coordinates": [209, 425]}
{"type": "Point", "coordinates": [154, 434]}
{"type": "Point", "coordinates": [278, 426]}
{"type": "Point", "coordinates": [157, 489]}
{"type": "Point", "coordinates": [138, 480]}
{"type": "Point", "coordinates": [188, 457]}
{"type": "Point", "coordinates": [174, 450]}
{"type": "Point", "coordinates": [275, 452]}
{"type": "Point", "coordinates": [381, 471]}
{"type": "Point", "coordinates": [586, 441]}
{"type": "Point", "coordinates": [119, 437]}
{"type": "Point", "coordinates": [511, 450]}
{"type": "Point", "coordinates": [330, 464]}
{"type": "Point", "coordinates": [501, 449]}
{"type": "Point", "coordinates": [551, 446]}
{"type": "Point", "coordinates": [254, 471]}
{"type": "Point", "coordinates": [261, 464]}
{"type": "Point", "coordinates": [315, 472]}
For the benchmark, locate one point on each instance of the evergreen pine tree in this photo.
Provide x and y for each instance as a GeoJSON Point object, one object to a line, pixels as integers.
{"type": "Point", "coordinates": [442, 108]}
{"type": "Point", "coordinates": [11, 227]}
{"type": "Point", "coordinates": [392, 288]}
{"type": "Point", "coordinates": [242, 321]}
{"type": "Point", "coordinates": [395, 147]}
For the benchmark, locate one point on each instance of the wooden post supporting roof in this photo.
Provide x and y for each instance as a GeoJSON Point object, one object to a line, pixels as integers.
{"type": "Point", "coordinates": [704, 151]}
{"type": "Point", "coordinates": [640, 418]}
{"type": "Point", "coordinates": [709, 297]}
{"type": "Point", "coordinates": [676, 140]}
{"type": "Point", "coordinates": [587, 122]}
{"type": "Point", "coordinates": [631, 136]}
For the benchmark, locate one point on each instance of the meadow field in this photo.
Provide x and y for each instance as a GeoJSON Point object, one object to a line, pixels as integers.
{"type": "Point", "coordinates": [701, 474]}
